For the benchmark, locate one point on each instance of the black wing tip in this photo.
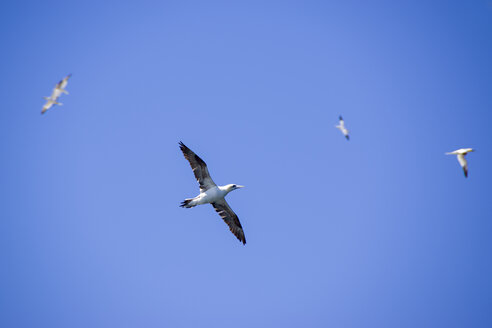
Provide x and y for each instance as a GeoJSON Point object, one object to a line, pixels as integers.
{"type": "Point", "coordinates": [348, 138]}
{"type": "Point", "coordinates": [186, 203]}
{"type": "Point", "coordinates": [466, 173]}
{"type": "Point", "coordinates": [241, 238]}
{"type": "Point", "coordinates": [340, 118]}
{"type": "Point", "coordinates": [240, 234]}
{"type": "Point", "coordinates": [182, 146]}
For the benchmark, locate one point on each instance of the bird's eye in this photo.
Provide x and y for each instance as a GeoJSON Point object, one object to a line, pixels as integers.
{"type": "Point", "coordinates": [233, 186]}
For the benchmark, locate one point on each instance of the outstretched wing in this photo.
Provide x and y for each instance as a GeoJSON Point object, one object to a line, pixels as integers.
{"type": "Point", "coordinates": [199, 168]}
{"type": "Point", "coordinates": [341, 127]}
{"type": "Point", "coordinates": [46, 107]}
{"type": "Point", "coordinates": [341, 123]}
{"type": "Point", "coordinates": [229, 217]}
{"type": "Point", "coordinates": [63, 83]}
{"type": "Point", "coordinates": [464, 164]}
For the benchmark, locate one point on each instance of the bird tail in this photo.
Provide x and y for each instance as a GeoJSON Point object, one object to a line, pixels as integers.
{"type": "Point", "coordinates": [187, 203]}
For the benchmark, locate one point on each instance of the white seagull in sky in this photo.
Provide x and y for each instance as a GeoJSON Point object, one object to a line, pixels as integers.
{"type": "Point", "coordinates": [341, 127]}
{"type": "Point", "coordinates": [55, 94]}
{"type": "Point", "coordinates": [461, 153]}
{"type": "Point", "coordinates": [210, 193]}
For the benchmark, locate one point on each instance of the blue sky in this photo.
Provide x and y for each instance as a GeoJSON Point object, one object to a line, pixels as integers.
{"type": "Point", "coordinates": [380, 231]}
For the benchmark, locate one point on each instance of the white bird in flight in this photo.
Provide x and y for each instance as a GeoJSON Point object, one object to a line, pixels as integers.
{"type": "Point", "coordinates": [461, 153]}
{"type": "Point", "coordinates": [210, 193]}
{"type": "Point", "coordinates": [341, 127]}
{"type": "Point", "coordinates": [55, 94]}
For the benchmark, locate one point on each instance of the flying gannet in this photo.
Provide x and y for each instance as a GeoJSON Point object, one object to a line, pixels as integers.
{"type": "Point", "coordinates": [49, 103]}
{"type": "Point", "coordinates": [210, 193]}
{"type": "Point", "coordinates": [341, 127]}
{"type": "Point", "coordinates": [56, 93]}
{"type": "Point", "coordinates": [461, 153]}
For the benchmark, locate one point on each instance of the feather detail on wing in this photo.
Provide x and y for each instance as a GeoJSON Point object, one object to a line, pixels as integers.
{"type": "Point", "coordinates": [229, 217]}
{"type": "Point", "coordinates": [199, 168]}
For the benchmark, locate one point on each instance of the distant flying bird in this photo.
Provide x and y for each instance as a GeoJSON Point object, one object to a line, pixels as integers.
{"type": "Point", "coordinates": [49, 103]}
{"type": "Point", "coordinates": [210, 193]}
{"type": "Point", "coordinates": [56, 93]}
{"type": "Point", "coordinates": [461, 153]}
{"type": "Point", "coordinates": [341, 127]}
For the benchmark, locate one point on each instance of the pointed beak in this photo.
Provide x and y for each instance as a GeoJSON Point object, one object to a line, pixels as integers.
{"type": "Point", "coordinates": [238, 186]}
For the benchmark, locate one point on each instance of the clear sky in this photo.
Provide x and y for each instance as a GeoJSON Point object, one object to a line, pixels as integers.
{"type": "Point", "coordinates": [379, 231]}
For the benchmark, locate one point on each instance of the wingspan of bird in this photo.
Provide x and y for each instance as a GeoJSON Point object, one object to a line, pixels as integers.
{"type": "Point", "coordinates": [199, 168]}
{"type": "Point", "coordinates": [461, 154]}
{"type": "Point", "coordinates": [341, 127]}
{"type": "Point", "coordinates": [229, 217]}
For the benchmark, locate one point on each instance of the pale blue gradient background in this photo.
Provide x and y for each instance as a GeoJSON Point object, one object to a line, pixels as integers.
{"type": "Point", "coordinates": [380, 231]}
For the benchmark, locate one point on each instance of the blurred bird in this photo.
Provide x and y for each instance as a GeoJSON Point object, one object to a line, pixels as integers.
{"type": "Point", "coordinates": [210, 193]}
{"type": "Point", "coordinates": [461, 153]}
{"type": "Point", "coordinates": [55, 94]}
{"type": "Point", "coordinates": [341, 127]}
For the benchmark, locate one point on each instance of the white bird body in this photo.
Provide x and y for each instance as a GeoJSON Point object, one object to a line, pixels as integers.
{"type": "Point", "coordinates": [56, 93]}
{"type": "Point", "coordinates": [460, 154]}
{"type": "Point", "coordinates": [212, 195]}
{"type": "Point", "coordinates": [341, 127]}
